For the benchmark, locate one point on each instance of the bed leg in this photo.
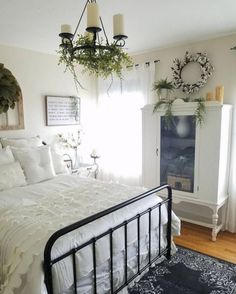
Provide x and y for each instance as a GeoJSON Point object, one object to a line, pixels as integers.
{"type": "Point", "coordinates": [168, 233]}
{"type": "Point", "coordinates": [168, 254]}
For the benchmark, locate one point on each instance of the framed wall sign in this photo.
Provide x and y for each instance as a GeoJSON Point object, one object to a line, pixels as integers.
{"type": "Point", "coordinates": [62, 110]}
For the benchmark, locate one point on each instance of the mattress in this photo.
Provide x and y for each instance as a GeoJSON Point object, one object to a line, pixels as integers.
{"type": "Point", "coordinates": [29, 215]}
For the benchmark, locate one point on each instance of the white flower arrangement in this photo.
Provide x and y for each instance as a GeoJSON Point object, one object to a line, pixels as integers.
{"type": "Point", "coordinates": [206, 72]}
{"type": "Point", "coordinates": [70, 141]}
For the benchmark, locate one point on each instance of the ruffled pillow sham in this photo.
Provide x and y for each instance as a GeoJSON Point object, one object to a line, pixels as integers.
{"type": "Point", "coordinates": [11, 176]}
{"type": "Point", "coordinates": [22, 142]}
{"type": "Point", "coordinates": [6, 156]}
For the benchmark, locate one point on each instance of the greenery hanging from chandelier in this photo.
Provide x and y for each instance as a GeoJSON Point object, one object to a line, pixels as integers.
{"type": "Point", "coordinates": [93, 51]}
{"type": "Point", "coordinates": [100, 63]}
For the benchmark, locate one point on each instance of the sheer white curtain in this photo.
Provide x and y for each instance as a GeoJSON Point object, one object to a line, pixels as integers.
{"type": "Point", "coordinates": [231, 213]}
{"type": "Point", "coordinates": [119, 128]}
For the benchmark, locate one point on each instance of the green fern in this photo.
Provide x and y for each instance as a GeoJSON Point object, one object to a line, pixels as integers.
{"type": "Point", "coordinates": [163, 84]}
{"type": "Point", "coordinates": [158, 105]}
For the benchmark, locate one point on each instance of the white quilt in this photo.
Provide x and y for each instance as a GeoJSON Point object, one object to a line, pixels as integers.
{"type": "Point", "coordinates": [29, 215]}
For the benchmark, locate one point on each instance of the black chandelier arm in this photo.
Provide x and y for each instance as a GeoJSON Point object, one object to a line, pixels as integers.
{"type": "Point", "coordinates": [105, 34]}
{"type": "Point", "coordinates": [66, 41]}
{"type": "Point", "coordinates": [76, 29]}
{"type": "Point", "coordinates": [66, 37]}
{"type": "Point", "coordinates": [120, 40]}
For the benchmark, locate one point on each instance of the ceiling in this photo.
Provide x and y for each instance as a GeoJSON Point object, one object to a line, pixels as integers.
{"type": "Point", "coordinates": [150, 24]}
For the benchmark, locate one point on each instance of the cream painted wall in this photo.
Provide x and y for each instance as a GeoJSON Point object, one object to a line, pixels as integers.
{"type": "Point", "coordinates": [223, 60]}
{"type": "Point", "coordinates": [38, 75]}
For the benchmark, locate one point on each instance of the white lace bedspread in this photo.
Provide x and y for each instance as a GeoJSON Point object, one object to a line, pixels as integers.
{"type": "Point", "coordinates": [29, 215]}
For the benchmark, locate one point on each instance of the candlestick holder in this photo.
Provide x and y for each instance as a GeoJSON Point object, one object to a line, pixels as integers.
{"type": "Point", "coordinates": [94, 157]}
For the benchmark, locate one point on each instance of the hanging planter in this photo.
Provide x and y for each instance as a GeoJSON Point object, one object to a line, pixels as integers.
{"type": "Point", "coordinates": [9, 90]}
{"type": "Point", "coordinates": [102, 63]}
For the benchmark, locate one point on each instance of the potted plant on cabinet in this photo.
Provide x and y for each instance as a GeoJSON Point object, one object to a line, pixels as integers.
{"type": "Point", "coordinates": [163, 88]}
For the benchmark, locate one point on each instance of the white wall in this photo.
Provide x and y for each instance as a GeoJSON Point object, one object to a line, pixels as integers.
{"type": "Point", "coordinates": [222, 58]}
{"type": "Point", "coordinates": [38, 75]}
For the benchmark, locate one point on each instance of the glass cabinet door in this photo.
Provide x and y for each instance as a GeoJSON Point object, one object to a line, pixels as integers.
{"type": "Point", "coordinates": [177, 154]}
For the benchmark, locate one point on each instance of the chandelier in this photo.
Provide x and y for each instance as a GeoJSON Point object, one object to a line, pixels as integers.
{"type": "Point", "coordinates": [92, 50]}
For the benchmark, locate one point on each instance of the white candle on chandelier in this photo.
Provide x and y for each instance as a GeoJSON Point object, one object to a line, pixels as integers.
{"type": "Point", "coordinates": [65, 28]}
{"type": "Point", "coordinates": [118, 25]}
{"type": "Point", "coordinates": [93, 15]}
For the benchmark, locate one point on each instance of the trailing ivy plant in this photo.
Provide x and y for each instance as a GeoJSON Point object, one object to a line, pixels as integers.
{"type": "Point", "coordinates": [9, 90]}
{"type": "Point", "coordinates": [200, 110]}
{"type": "Point", "coordinates": [101, 63]}
{"type": "Point", "coordinates": [168, 110]}
{"type": "Point", "coordinates": [167, 104]}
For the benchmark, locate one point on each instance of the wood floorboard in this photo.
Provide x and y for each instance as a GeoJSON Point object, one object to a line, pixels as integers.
{"type": "Point", "coordinates": [199, 238]}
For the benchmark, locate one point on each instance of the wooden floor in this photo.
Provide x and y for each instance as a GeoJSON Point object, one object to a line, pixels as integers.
{"type": "Point", "coordinates": [199, 238]}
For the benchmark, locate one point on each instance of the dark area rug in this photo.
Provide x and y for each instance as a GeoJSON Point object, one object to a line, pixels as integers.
{"type": "Point", "coordinates": [189, 272]}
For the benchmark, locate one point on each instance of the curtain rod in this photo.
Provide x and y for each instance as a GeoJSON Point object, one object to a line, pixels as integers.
{"type": "Point", "coordinates": [146, 63]}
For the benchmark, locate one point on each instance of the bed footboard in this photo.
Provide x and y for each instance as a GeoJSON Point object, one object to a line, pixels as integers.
{"type": "Point", "coordinates": [49, 262]}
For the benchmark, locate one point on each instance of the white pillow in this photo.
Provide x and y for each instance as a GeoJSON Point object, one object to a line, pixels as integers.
{"type": "Point", "coordinates": [36, 163]}
{"type": "Point", "coordinates": [59, 163]}
{"type": "Point", "coordinates": [6, 156]}
{"type": "Point", "coordinates": [11, 175]}
{"type": "Point", "coordinates": [22, 142]}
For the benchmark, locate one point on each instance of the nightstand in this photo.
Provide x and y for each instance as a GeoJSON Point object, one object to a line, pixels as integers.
{"type": "Point", "coordinates": [86, 170]}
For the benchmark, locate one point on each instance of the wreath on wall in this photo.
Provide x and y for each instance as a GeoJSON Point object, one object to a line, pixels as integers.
{"type": "Point", "coordinates": [205, 67]}
{"type": "Point", "coordinates": [9, 90]}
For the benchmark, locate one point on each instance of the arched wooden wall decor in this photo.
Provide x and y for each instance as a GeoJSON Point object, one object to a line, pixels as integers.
{"type": "Point", "coordinates": [11, 102]}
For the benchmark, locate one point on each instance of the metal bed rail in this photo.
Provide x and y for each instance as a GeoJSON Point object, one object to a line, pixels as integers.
{"type": "Point", "coordinates": [49, 262]}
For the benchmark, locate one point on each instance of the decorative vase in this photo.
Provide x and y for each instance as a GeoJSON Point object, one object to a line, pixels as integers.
{"type": "Point", "coordinates": [164, 94]}
{"type": "Point", "coordinates": [76, 159]}
{"type": "Point", "coordinates": [182, 127]}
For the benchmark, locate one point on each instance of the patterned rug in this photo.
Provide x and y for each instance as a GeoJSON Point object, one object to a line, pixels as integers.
{"type": "Point", "coordinates": [189, 272]}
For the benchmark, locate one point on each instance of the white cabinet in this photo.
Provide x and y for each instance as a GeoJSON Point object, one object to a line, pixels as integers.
{"type": "Point", "coordinates": [193, 159]}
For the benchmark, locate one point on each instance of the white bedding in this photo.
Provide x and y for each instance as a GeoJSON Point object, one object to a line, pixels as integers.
{"type": "Point", "coordinates": [30, 214]}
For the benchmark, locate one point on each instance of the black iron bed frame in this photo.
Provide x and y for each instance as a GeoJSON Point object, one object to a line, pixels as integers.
{"type": "Point", "coordinates": [49, 262]}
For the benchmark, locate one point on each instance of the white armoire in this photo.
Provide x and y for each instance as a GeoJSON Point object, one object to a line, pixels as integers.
{"type": "Point", "coordinates": [192, 159]}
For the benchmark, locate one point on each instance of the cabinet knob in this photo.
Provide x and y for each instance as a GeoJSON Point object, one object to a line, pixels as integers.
{"type": "Point", "coordinates": [157, 152]}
